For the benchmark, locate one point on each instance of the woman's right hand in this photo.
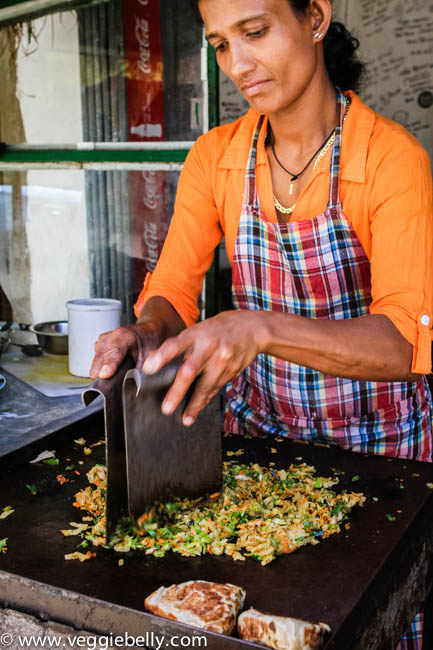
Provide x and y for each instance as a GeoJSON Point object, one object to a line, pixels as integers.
{"type": "Point", "coordinates": [157, 321]}
{"type": "Point", "coordinates": [112, 347]}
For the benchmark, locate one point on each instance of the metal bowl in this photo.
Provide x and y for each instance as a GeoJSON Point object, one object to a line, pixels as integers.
{"type": "Point", "coordinates": [4, 342]}
{"type": "Point", "coordinates": [52, 336]}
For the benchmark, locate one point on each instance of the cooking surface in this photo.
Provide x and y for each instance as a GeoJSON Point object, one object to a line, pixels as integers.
{"type": "Point", "coordinates": [327, 582]}
{"type": "Point", "coordinates": [48, 373]}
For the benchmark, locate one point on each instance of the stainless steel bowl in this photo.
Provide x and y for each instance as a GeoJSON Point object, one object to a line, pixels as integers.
{"type": "Point", "coordinates": [52, 336]}
{"type": "Point", "coordinates": [4, 342]}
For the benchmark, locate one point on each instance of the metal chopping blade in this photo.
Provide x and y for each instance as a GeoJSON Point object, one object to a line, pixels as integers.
{"type": "Point", "coordinates": [116, 492]}
{"type": "Point", "coordinates": [165, 459]}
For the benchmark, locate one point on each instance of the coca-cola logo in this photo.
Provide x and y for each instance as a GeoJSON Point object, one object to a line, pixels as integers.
{"type": "Point", "coordinates": [142, 36]}
{"type": "Point", "coordinates": [150, 197]}
{"type": "Point", "coordinates": [150, 234]}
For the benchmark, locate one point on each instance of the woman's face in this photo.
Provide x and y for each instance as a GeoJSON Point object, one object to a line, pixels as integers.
{"type": "Point", "coordinates": [267, 50]}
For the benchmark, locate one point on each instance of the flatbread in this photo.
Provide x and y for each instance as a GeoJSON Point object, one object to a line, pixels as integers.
{"type": "Point", "coordinates": [208, 605]}
{"type": "Point", "coordinates": [281, 632]}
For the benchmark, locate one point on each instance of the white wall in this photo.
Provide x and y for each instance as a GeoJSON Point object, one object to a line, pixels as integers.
{"type": "Point", "coordinates": [49, 93]}
{"type": "Point", "coordinates": [57, 241]}
{"type": "Point", "coordinates": [49, 81]}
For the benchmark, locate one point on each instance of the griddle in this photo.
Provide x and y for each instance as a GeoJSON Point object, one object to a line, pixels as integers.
{"type": "Point", "coordinates": [367, 582]}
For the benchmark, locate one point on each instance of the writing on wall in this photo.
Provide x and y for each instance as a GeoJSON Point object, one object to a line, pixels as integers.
{"type": "Point", "coordinates": [396, 38]}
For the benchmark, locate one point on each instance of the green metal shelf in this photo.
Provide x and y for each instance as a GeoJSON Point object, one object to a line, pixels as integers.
{"type": "Point", "coordinates": [98, 156]}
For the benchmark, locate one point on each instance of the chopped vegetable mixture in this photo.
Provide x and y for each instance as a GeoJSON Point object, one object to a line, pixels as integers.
{"type": "Point", "coordinates": [260, 513]}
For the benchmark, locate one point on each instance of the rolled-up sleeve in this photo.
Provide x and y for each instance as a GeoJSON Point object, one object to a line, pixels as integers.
{"type": "Point", "coordinates": [193, 234]}
{"type": "Point", "coordinates": [401, 213]}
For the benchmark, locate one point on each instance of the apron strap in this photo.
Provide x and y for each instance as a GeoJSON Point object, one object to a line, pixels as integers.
{"type": "Point", "coordinates": [250, 196]}
{"type": "Point", "coordinates": [334, 194]}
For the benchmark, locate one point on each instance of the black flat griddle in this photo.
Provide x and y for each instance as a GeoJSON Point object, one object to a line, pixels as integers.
{"type": "Point", "coordinates": [366, 582]}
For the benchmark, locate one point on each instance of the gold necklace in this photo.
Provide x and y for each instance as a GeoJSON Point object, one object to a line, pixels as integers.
{"type": "Point", "coordinates": [324, 150]}
{"type": "Point", "coordinates": [294, 177]}
{"type": "Point", "coordinates": [281, 208]}
{"type": "Point", "coordinates": [322, 153]}
{"type": "Point", "coordinates": [289, 210]}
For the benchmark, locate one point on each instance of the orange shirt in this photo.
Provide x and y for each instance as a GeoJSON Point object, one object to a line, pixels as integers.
{"type": "Point", "coordinates": [386, 192]}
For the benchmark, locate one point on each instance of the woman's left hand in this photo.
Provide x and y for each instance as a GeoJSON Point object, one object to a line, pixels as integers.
{"type": "Point", "coordinates": [217, 349]}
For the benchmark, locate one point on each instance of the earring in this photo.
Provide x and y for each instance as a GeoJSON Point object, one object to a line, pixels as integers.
{"type": "Point", "coordinates": [318, 35]}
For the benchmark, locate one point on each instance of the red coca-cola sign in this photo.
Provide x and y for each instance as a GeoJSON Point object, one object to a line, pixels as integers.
{"type": "Point", "coordinates": [144, 74]}
{"type": "Point", "coordinates": [150, 220]}
{"type": "Point", "coordinates": [143, 52]}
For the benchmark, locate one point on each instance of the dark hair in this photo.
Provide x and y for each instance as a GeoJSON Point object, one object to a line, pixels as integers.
{"type": "Point", "coordinates": [342, 63]}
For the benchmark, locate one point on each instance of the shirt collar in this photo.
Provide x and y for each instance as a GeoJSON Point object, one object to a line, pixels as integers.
{"type": "Point", "coordinates": [356, 135]}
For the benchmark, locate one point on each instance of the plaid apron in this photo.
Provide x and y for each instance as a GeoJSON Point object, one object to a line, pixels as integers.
{"type": "Point", "coordinates": [316, 268]}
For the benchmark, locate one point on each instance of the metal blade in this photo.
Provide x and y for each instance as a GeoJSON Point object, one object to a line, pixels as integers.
{"type": "Point", "coordinates": [111, 391]}
{"type": "Point", "coordinates": [165, 459]}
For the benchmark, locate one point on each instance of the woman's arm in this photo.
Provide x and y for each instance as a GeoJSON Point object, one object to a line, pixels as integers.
{"type": "Point", "coordinates": [194, 233]}
{"type": "Point", "coordinates": [369, 348]}
{"type": "Point", "coordinates": [400, 206]}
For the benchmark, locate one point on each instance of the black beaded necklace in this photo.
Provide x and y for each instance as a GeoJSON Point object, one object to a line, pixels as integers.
{"type": "Point", "coordinates": [294, 177]}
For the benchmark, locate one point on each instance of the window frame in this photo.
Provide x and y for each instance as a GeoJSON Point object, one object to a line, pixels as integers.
{"type": "Point", "coordinates": [127, 156]}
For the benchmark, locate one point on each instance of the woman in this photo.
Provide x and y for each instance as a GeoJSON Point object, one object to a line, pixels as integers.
{"type": "Point", "coordinates": [326, 209]}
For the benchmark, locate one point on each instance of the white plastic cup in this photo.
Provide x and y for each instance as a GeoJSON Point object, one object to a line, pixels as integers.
{"type": "Point", "coordinates": [88, 318]}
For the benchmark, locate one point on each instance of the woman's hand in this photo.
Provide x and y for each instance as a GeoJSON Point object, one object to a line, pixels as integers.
{"type": "Point", "coordinates": [217, 349]}
{"type": "Point", "coordinates": [157, 321]}
{"type": "Point", "coordinates": [112, 347]}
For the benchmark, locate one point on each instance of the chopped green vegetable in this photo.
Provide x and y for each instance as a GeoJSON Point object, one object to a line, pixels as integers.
{"type": "Point", "coordinates": [68, 467]}
{"type": "Point", "coordinates": [256, 556]}
{"type": "Point", "coordinates": [7, 510]}
{"type": "Point", "coordinates": [318, 483]}
{"type": "Point", "coordinates": [390, 517]}
{"type": "Point", "coordinates": [355, 478]}
{"type": "Point", "coordinates": [338, 508]}
{"type": "Point", "coordinates": [51, 461]}
{"type": "Point", "coordinates": [171, 507]}
{"type": "Point", "coordinates": [32, 488]}
{"type": "Point", "coordinates": [3, 545]}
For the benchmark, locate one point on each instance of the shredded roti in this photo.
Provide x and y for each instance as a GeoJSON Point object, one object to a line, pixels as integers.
{"type": "Point", "coordinates": [261, 513]}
